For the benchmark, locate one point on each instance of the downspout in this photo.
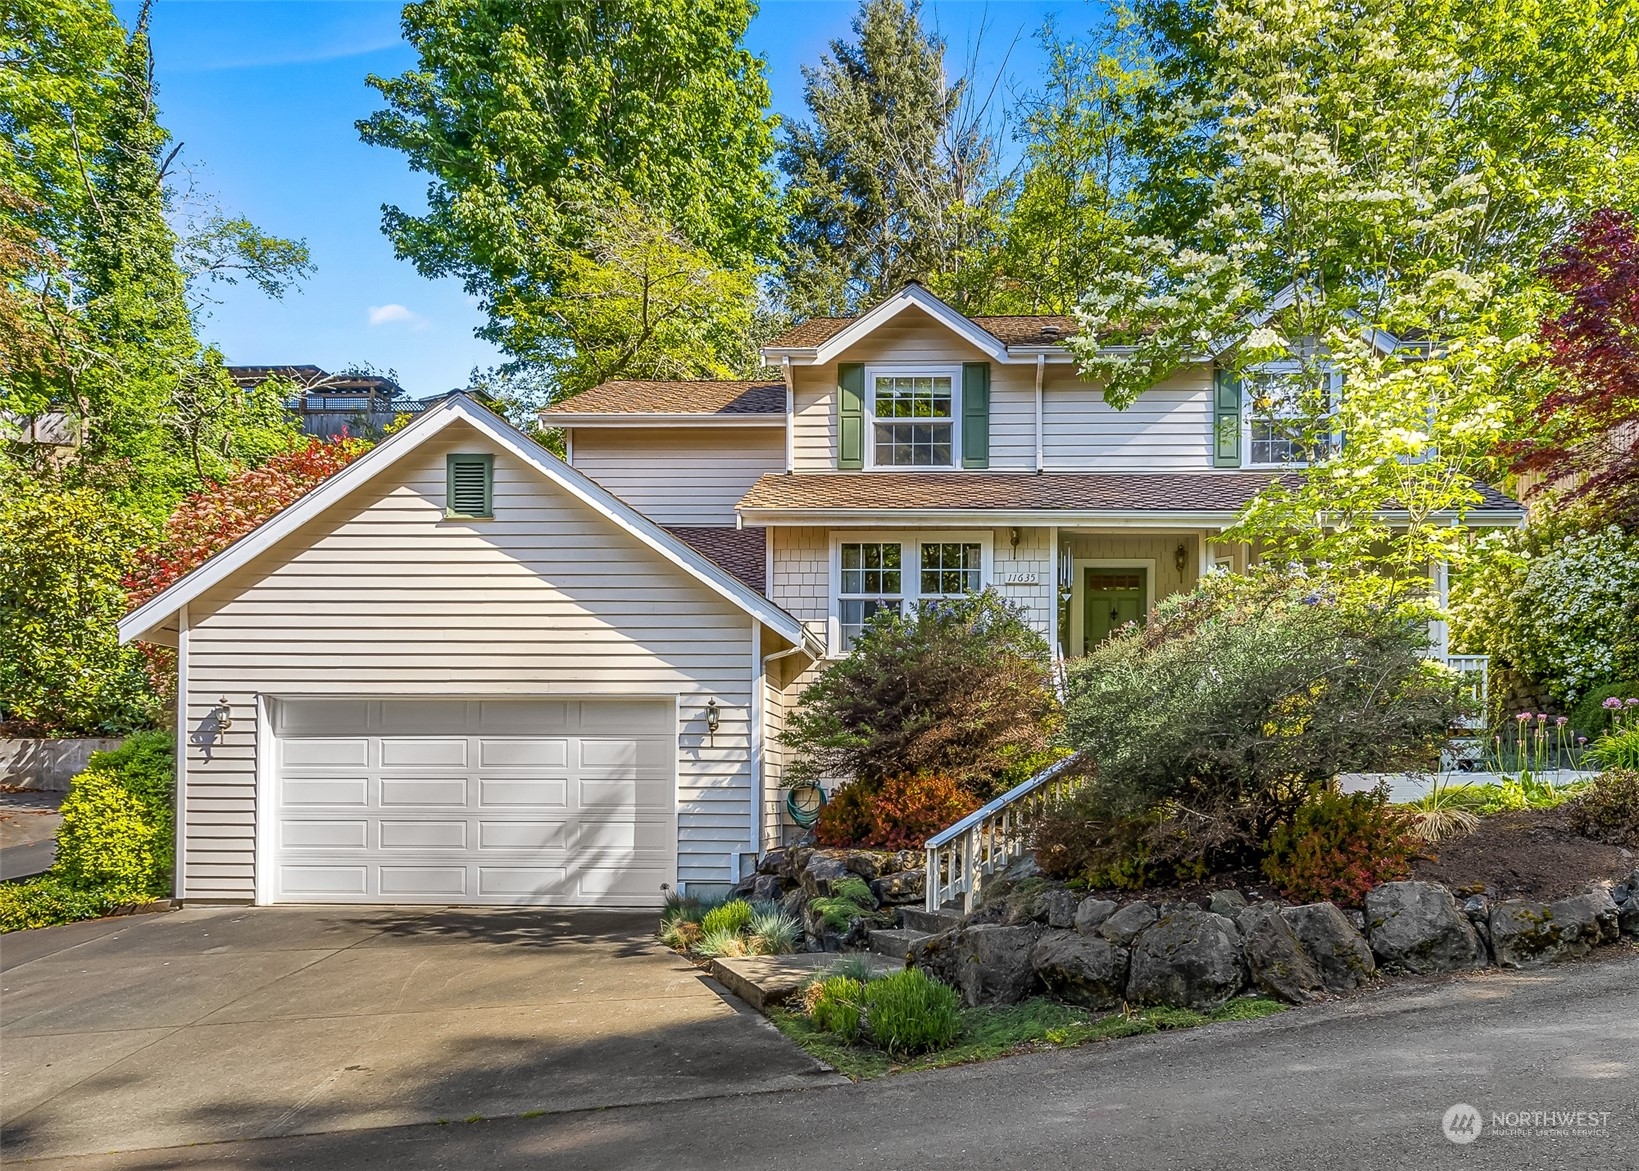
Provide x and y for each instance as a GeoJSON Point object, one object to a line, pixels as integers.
{"type": "Point", "coordinates": [1041, 370]}
{"type": "Point", "coordinates": [180, 864]}
{"type": "Point", "coordinates": [790, 414]}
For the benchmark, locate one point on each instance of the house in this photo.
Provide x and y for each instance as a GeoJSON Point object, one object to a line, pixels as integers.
{"type": "Point", "coordinates": [326, 404]}
{"type": "Point", "coordinates": [463, 670]}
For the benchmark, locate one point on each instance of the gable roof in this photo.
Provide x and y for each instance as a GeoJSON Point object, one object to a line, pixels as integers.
{"type": "Point", "coordinates": [725, 398]}
{"type": "Point", "coordinates": [821, 339]}
{"type": "Point", "coordinates": [457, 408]}
{"type": "Point", "coordinates": [1019, 329]}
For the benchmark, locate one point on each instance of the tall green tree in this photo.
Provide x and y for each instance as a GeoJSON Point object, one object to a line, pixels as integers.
{"type": "Point", "coordinates": [891, 178]}
{"type": "Point", "coordinates": [531, 120]}
{"type": "Point", "coordinates": [1395, 167]}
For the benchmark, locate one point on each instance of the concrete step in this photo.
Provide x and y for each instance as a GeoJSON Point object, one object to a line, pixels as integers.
{"type": "Point", "coordinates": [766, 981]}
{"type": "Point", "coordinates": [895, 942]}
{"type": "Point", "coordinates": [929, 922]}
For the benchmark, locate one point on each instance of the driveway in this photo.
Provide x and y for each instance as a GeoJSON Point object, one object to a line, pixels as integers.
{"type": "Point", "coordinates": [28, 825]}
{"type": "Point", "coordinates": [218, 1024]}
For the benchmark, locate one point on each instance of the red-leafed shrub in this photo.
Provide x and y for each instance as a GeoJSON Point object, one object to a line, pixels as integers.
{"type": "Point", "coordinates": [210, 520]}
{"type": "Point", "coordinates": [901, 813]}
{"type": "Point", "coordinates": [1340, 846]}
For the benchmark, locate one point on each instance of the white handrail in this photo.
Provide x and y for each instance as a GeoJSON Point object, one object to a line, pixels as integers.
{"type": "Point", "coordinates": [960, 858]}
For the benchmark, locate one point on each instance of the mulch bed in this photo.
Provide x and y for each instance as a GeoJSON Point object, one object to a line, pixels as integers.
{"type": "Point", "coordinates": [1531, 853]}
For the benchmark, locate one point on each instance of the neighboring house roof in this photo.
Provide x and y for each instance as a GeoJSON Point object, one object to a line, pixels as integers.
{"type": "Point", "coordinates": [316, 378]}
{"type": "Point", "coordinates": [1208, 495]}
{"type": "Point", "coordinates": [648, 396]}
{"type": "Point", "coordinates": [743, 552]}
{"type": "Point", "coordinates": [146, 620]}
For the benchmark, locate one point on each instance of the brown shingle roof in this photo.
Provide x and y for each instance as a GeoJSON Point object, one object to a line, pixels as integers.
{"type": "Point", "coordinates": [681, 397]}
{"type": "Point", "coordinates": [1160, 492]}
{"type": "Point", "coordinates": [1022, 330]}
{"type": "Point", "coordinates": [740, 551]}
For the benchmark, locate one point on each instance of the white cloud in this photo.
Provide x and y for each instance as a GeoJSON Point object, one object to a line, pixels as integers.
{"type": "Point", "coordinates": [396, 315]}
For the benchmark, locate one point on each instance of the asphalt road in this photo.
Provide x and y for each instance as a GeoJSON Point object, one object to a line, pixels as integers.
{"type": "Point", "coordinates": [1360, 1083]}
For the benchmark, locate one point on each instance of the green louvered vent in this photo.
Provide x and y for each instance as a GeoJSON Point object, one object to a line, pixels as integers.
{"type": "Point", "coordinates": [471, 486]}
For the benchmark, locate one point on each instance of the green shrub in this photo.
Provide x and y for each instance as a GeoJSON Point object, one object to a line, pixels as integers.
{"type": "Point", "coordinates": [835, 1005]}
{"type": "Point", "coordinates": [733, 916]}
{"type": "Point", "coordinates": [773, 931]}
{"type": "Point", "coordinates": [1340, 846]}
{"type": "Point", "coordinates": [1085, 841]}
{"type": "Point", "coordinates": [900, 813]}
{"type": "Point", "coordinates": [1616, 750]}
{"type": "Point", "coordinates": [46, 901]}
{"type": "Point", "coordinates": [850, 899]}
{"type": "Point", "coordinates": [720, 942]}
{"type": "Point", "coordinates": [1607, 809]}
{"type": "Point", "coordinates": [909, 1012]}
{"type": "Point", "coordinates": [1240, 700]}
{"type": "Point", "coordinates": [1590, 717]}
{"type": "Point", "coordinates": [117, 834]}
{"type": "Point", "coordinates": [958, 688]}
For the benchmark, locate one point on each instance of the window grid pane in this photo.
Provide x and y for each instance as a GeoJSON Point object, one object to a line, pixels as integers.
{"type": "Point", "coordinates": [950, 569]}
{"type": "Point", "coordinates": [925, 443]}
{"type": "Point", "coordinates": [871, 568]}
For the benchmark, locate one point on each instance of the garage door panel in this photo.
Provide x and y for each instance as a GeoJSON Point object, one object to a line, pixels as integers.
{"type": "Point", "coordinates": [464, 801]}
{"type": "Point", "coordinates": [350, 752]}
{"type": "Point", "coordinates": [423, 835]}
{"type": "Point", "coordinates": [544, 793]}
{"type": "Point", "coordinates": [301, 791]}
{"type": "Point", "coordinates": [322, 717]}
{"type": "Point", "coordinates": [422, 752]}
{"type": "Point", "coordinates": [323, 835]}
{"type": "Point", "coordinates": [422, 881]}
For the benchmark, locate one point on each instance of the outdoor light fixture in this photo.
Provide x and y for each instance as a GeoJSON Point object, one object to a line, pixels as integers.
{"type": "Point", "coordinates": [714, 717]}
{"type": "Point", "coordinates": [222, 714]}
{"type": "Point", "coordinates": [1180, 558]}
{"type": "Point", "coordinates": [1013, 537]}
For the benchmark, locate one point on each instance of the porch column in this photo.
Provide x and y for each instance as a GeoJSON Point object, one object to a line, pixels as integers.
{"type": "Point", "coordinates": [1439, 630]}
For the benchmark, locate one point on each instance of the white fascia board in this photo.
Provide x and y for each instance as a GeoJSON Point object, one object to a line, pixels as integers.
{"type": "Point", "coordinates": [979, 517]}
{"type": "Point", "coordinates": [657, 419]}
{"type": "Point", "coordinates": [385, 454]}
{"type": "Point", "coordinates": [911, 296]}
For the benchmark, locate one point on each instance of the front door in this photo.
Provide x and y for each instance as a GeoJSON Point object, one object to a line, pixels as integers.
{"type": "Point", "coordinates": [1110, 598]}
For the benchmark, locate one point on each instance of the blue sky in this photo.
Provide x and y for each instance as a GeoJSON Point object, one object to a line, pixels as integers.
{"type": "Point", "coordinates": [264, 95]}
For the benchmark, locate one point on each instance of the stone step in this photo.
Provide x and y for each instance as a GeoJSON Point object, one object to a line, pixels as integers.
{"type": "Point", "coordinates": [766, 981]}
{"type": "Point", "coordinates": [928, 922]}
{"type": "Point", "coordinates": [895, 942]}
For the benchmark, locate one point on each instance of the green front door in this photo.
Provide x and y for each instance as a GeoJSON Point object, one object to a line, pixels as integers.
{"type": "Point", "coordinates": [1109, 599]}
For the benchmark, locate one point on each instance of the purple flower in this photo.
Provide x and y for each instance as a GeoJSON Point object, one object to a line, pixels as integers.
{"type": "Point", "coordinates": [1611, 704]}
{"type": "Point", "coordinates": [1581, 740]}
{"type": "Point", "coordinates": [1523, 716]}
{"type": "Point", "coordinates": [1562, 721]}
{"type": "Point", "coordinates": [1632, 703]}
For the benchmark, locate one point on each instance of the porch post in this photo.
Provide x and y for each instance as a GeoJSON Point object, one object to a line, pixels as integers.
{"type": "Point", "coordinates": [1439, 631]}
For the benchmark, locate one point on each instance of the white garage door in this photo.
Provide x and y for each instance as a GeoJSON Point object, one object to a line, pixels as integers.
{"type": "Point", "coordinates": [561, 802]}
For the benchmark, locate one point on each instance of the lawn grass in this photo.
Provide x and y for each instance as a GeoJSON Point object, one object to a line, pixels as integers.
{"type": "Point", "coordinates": [996, 1032]}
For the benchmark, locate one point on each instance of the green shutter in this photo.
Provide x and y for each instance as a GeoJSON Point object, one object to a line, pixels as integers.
{"type": "Point", "coordinates": [975, 414]}
{"type": "Point", "coordinates": [1226, 419]}
{"type": "Point", "coordinates": [850, 416]}
{"type": "Point", "coordinates": [469, 486]}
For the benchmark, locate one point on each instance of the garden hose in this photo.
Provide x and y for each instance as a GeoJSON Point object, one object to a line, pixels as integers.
{"type": "Point", "coordinates": [802, 814]}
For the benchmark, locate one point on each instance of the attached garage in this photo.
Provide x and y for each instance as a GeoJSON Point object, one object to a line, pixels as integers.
{"type": "Point", "coordinates": [566, 802]}
{"type": "Point", "coordinates": [461, 672]}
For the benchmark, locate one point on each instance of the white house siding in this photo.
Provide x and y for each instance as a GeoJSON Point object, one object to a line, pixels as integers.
{"type": "Point", "coordinates": [680, 475]}
{"type": "Point", "coordinates": [1169, 428]}
{"type": "Point", "coordinates": [1161, 549]}
{"type": "Point", "coordinates": [383, 596]}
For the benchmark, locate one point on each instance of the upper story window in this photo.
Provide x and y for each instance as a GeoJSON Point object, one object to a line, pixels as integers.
{"type": "Point", "coordinates": [913, 417]}
{"type": "Point", "coordinates": [875, 573]}
{"type": "Point", "coordinates": [1288, 416]}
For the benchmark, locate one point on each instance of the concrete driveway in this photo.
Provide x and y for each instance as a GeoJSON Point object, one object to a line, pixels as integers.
{"type": "Point", "coordinates": [211, 1025]}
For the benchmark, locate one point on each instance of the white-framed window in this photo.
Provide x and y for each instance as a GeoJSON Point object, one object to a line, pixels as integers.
{"type": "Point", "coordinates": [913, 416]}
{"type": "Point", "coordinates": [877, 571]}
{"type": "Point", "coordinates": [1288, 415]}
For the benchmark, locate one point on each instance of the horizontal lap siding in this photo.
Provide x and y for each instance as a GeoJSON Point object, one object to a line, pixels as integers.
{"type": "Point", "coordinates": [382, 595]}
{"type": "Point", "coordinates": [680, 475]}
{"type": "Point", "coordinates": [1169, 428]}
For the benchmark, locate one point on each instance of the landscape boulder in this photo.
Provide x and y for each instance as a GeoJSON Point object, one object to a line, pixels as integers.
{"type": "Point", "coordinates": [775, 861]}
{"type": "Point", "coordinates": [1091, 913]}
{"type": "Point", "coordinates": [868, 864]}
{"type": "Point", "coordinates": [936, 955]}
{"type": "Point", "coordinates": [766, 888]}
{"type": "Point", "coordinates": [821, 873]}
{"type": "Point", "coordinates": [993, 964]}
{"type": "Point", "coordinates": [1227, 903]}
{"type": "Point", "coordinates": [901, 888]}
{"type": "Point", "coordinates": [1121, 927]}
{"type": "Point", "coordinates": [1057, 907]}
{"type": "Point", "coordinates": [1188, 957]}
{"type": "Point", "coordinates": [1418, 926]}
{"type": "Point", "coordinates": [1275, 958]}
{"type": "Point", "coordinates": [1340, 953]}
{"type": "Point", "coordinates": [1081, 969]}
{"type": "Point", "coordinates": [1528, 934]}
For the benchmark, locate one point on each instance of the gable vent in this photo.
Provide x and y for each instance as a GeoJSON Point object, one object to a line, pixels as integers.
{"type": "Point", "coordinates": [471, 486]}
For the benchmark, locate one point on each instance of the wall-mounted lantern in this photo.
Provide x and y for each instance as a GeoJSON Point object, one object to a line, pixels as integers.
{"type": "Point", "coordinates": [714, 719]}
{"type": "Point", "coordinates": [1180, 558]}
{"type": "Point", "coordinates": [222, 714]}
